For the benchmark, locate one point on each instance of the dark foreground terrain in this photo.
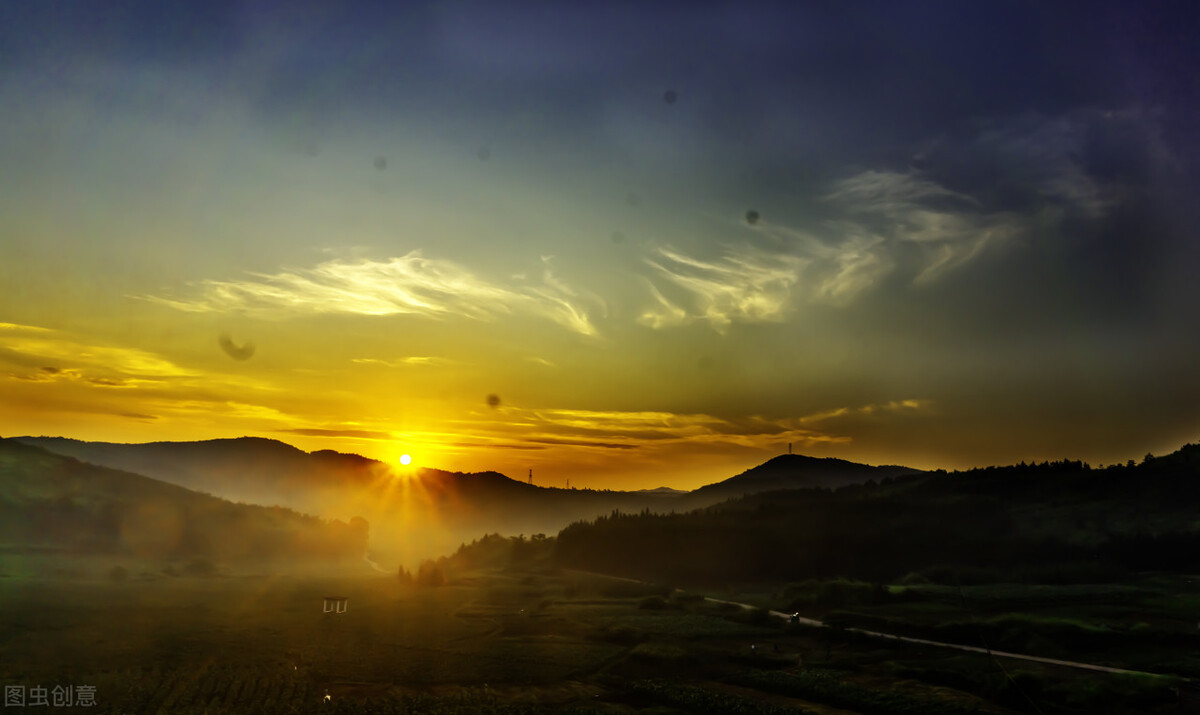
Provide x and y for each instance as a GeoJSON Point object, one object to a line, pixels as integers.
{"type": "Point", "coordinates": [520, 641]}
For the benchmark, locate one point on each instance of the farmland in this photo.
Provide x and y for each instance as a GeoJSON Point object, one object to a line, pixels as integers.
{"type": "Point", "coordinates": [488, 640]}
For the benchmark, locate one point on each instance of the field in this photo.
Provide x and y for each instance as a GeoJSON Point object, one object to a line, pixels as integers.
{"type": "Point", "coordinates": [489, 641]}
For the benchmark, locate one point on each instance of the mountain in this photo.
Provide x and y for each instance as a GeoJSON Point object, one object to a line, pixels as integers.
{"type": "Point", "coordinates": [246, 469]}
{"type": "Point", "coordinates": [793, 471]}
{"type": "Point", "coordinates": [425, 512]}
{"type": "Point", "coordinates": [414, 514]}
{"type": "Point", "coordinates": [1060, 521]}
{"type": "Point", "coordinates": [50, 502]}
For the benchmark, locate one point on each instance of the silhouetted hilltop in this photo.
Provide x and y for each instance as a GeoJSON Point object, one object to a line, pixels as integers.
{"type": "Point", "coordinates": [49, 501]}
{"type": "Point", "coordinates": [1056, 521]}
{"type": "Point", "coordinates": [793, 471]}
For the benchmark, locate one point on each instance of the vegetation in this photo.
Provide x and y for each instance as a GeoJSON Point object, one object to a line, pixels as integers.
{"type": "Point", "coordinates": [1055, 560]}
{"type": "Point", "coordinates": [502, 641]}
{"type": "Point", "coordinates": [58, 504]}
{"type": "Point", "coordinates": [1055, 522]}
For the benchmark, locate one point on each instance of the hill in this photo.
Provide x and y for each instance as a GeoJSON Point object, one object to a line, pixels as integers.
{"type": "Point", "coordinates": [52, 503]}
{"type": "Point", "coordinates": [415, 514]}
{"type": "Point", "coordinates": [426, 512]}
{"type": "Point", "coordinates": [794, 471]}
{"type": "Point", "coordinates": [1056, 520]}
{"type": "Point", "coordinates": [246, 469]}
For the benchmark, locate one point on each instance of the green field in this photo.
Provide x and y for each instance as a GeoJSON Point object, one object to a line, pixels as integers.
{"type": "Point", "coordinates": [489, 641]}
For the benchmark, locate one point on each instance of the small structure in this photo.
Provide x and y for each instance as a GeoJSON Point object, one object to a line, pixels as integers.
{"type": "Point", "coordinates": [334, 604]}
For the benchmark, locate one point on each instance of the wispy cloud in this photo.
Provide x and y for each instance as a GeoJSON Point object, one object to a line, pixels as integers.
{"type": "Point", "coordinates": [745, 286]}
{"type": "Point", "coordinates": [885, 219]}
{"type": "Point", "coordinates": [409, 361]}
{"type": "Point", "coordinates": [354, 433]}
{"type": "Point", "coordinates": [1048, 155]}
{"type": "Point", "coordinates": [621, 429]}
{"type": "Point", "coordinates": [64, 357]}
{"type": "Point", "coordinates": [888, 209]}
{"type": "Point", "coordinates": [892, 407]}
{"type": "Point", "coordinates": [582, 443]}
{"type": "Point", "coordinates": [407, 285]}
{"type": "Point", "coordinates": [18, 328]}
{"type": "Point", "coordinates": [73, 374]}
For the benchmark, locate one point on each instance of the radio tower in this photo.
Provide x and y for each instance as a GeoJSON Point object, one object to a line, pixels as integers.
{"type": "Point", "coordinates": [531, 476]}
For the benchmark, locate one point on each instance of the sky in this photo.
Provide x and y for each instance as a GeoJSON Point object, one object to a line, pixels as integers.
{"type": "Point", "coordinates": [626, 245]}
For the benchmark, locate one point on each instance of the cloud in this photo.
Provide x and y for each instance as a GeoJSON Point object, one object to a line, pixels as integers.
{"type": "Point", "coordinates": [86, 360]}
{"type": "Point", "coordinates": [883, 222]}
{"type": "Point", "coordinates": [635, 428]}
{"type": "Point", "coordinates": [410, 360]}
{"type": "Point", "coordinates": [404, 285]}
{"type": "Point", "coordinates": [890, 192]}
{"type": "Point", "coordinates": [18, 328]}
{"type": "Point", "coordinates": [496, 445]}
{"type": "Point", "coordinates": [907, 406]}
{"type": "Point", "coordinates": [744, 286]}
{"type": "Point", "coordinates": [355, 433]}
{"type": "Point", "coordinates": [891, 211]}
{"type": "Point", "coordinates": [582, 443]}
{"type": "Point", "coordinates": [137, 416]}
{"type": "Point", "coordinates": [73, 375]}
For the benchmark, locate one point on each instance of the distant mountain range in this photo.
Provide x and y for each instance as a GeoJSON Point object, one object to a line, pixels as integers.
{"type": "Point", "coordinates": [792, 517]}
{"type": "Point", "coordinates": [57, 504]}
{"type": "Point", "coordinates": [443, 509]}
{"type": "Point", "coordinates": [257, 470]}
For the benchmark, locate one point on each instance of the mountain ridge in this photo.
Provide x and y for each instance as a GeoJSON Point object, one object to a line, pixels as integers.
{"type": "Point", "coordinates": [52, 501]}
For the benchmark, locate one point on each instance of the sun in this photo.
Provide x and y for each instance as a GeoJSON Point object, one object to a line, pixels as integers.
{"type": "Point", "coordinates": [405, 459]}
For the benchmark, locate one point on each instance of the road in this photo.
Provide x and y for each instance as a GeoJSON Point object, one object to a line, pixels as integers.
{"type": "Point", "coordinates": [920, 641]}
